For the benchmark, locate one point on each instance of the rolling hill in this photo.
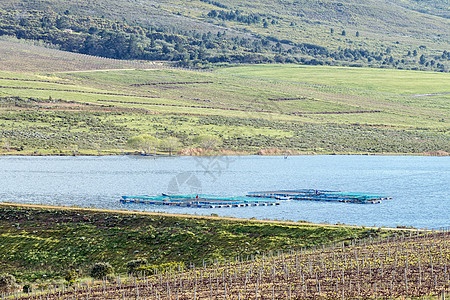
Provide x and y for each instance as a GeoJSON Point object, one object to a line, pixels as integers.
{"type": "Point", "coordinates": [384, 33]}
{"type": "Point", "coordinates": [67, 103]}
{"type": "Point", "coordinates": [89, 76]}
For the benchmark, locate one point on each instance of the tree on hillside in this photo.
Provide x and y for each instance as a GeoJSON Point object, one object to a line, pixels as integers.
{"type": "Point", "coordinates": [6, 145]}
{"type": "Point", "coordinates": [170, 144]}
{"type": "Point", "coordinates": [343, 32]}
{"type": "Point", "coordinates": [422, 59]}
{"type": "Point", "coordinates": [208, 142]}
{"type": "Point", "coordinates": [101, 270]}
{"type": "Point", "coordinates": [144, 142]}
{"type": "Point", "coordinates": [71, 276]}
{"type": "Point", "coordinates": [132, 265]}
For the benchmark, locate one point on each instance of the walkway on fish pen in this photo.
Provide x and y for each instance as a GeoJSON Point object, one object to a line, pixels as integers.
{"type": "Point", "coordinates": [321, 195]}
{"type": "Point", "coordinates": [199, 201]}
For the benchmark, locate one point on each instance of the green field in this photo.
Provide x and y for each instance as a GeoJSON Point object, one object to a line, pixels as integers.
{"type": "Point", "coordinates": [399, 82]}
{"type": "Point", "coordinates": [245, 109]}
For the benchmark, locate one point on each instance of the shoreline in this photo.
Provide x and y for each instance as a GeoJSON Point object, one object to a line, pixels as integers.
{"type": "Point", "coordinates": [209, 154]}
{"type": "Point", "coordinates": [205, 217]}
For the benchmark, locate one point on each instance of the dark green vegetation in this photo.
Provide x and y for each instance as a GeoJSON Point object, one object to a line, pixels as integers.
{"type": "Point", "coordinates": [100, 270]}
{"type": "Point", "coordinates": [43, 243]}
{"type": "Point", "coordinates": [394, 34]}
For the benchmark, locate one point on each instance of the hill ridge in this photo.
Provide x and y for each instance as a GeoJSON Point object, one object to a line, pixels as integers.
{"type": "Point", "coordinates": [366, 33]}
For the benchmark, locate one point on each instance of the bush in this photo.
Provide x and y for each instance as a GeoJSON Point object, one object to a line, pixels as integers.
{"type": "Point", "coordinates": [101, 270]}
{"type": "Point", "coordinates": [208, 142]}
{"type": "Point", "coordinates": [132, 265]}
{"type": "Point", "coordinates": [27, 288]}
{"type": "Point", "coordinates": [8, 283]}
{"type": "Point", "coordinates": [162, 268]}
{"type": "Point", "coordinates": [71, 276]}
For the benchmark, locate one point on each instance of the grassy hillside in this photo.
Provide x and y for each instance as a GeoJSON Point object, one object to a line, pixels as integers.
{"type": "Point", "coordinates": [42, 243]}
{"type": "Point", "coordinates": [438, 8]}
{"type": "Point", "coordinates": [394, 34]}
{"type": "Point", "coordinates": [245, 109]}
{"type": "Point", "coordinates": [31, 57]}
{"type": "Point", "coordinates": [414, 17]}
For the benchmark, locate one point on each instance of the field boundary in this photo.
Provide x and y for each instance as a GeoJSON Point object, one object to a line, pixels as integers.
{"type": "Point", "coordinates": [171, 83]}
{"type": "Point", "coordinates": [73, 91]}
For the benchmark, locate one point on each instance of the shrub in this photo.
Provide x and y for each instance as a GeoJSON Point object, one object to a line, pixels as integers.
{"type": "Point", "coordinates": [208, 142]}
{"type": "Point", "coordinates": [71, 276]}
{"type": "Point", "coordinates": [27, 288]}
{"type": "Point", "coordinates": [162, 268]}
{"type": "Point", "coordinates": [8, 283]}
{"type": "Point", "coordinates": [132, 265]}
{"type": "Point", "coordinates": [100, 270]}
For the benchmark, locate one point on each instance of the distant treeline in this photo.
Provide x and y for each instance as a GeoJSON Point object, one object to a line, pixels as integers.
{"type": "Point", "coordinates": [215, 3]}
{"type": "Point", "coordinates": [106, 38]}
{"type": "Point", "coordinates": [236, 15]}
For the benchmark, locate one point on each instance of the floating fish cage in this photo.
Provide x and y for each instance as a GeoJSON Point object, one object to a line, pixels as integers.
{"type": "Point", "coordinates": [199, 201]}
{"type": "Point", "coordinates": [321, 195]}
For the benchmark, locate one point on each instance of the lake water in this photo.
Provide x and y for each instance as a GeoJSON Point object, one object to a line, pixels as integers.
{"type": "Point", "coordinates": [419, 185]}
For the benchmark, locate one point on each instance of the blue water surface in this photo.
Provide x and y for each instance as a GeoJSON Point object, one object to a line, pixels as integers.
{"type": "Point", "coordinates": [419, 185]}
